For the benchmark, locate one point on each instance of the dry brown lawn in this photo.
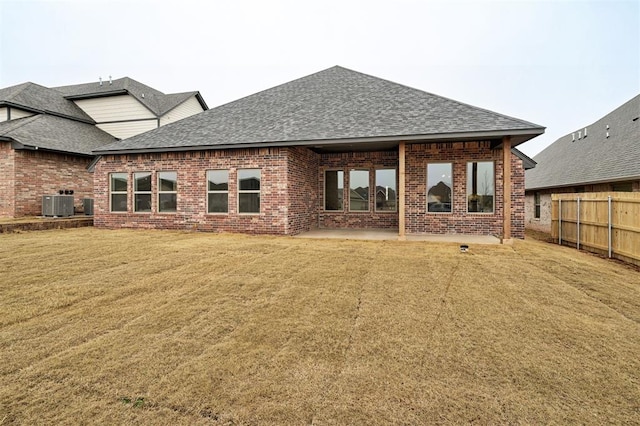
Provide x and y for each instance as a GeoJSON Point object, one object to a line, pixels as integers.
{"type": "Point", "coordinates": [151, 327]}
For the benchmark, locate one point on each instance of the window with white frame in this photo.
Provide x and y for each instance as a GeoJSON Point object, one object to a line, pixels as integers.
{"type": "Point", "coordinates": [167, 192]}
{"type": "Point", "coordinates": [358, 190]}
{"type": "Point", "coordinates": [249, 191]}
{"type": "Point", "coordinates": [333, 190]}
{"type": "Point", "coordinates": [480, 187]}
{"type": "Point", "coordinates": [142, 192]}
{"type": "Point", "coordinates": [218, 191]}
{"type": "Point", "coordinates": [386, 192]}
{"type": "Point", "coordinates": [536, 201]}
{"type": "Point", "coordinates": [439, 187]}
{"type": "Point", "coordinates": [118, 188]}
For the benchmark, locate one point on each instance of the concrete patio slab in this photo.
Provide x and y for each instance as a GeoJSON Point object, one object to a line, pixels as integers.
{"type": "Point", "coordinates": [392, 234]}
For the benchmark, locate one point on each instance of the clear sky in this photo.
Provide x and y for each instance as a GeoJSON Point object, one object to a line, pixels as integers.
{"type": "Point", "coordinates": [561, 64]}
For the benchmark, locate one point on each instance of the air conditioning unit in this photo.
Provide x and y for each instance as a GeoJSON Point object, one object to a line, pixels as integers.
{"type": "Point", "coordinates": [57, 205]}
{"type": "Point", "coordinates": [87, 203]}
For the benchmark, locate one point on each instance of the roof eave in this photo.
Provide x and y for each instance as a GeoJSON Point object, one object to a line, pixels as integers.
{"type": "Point", "coordinates": [523, 134]}
{"type": "Point", "coordinates": [592, 182]}
{"type": "Point", "coordinates": [97, 95]}
{"type": "Point", "coordinates": [20, 146]}
{"type": "Point", "coordinates": [527, 162]}
{"type": "Point", "coordinates": [45, 111]}
{"type": "Point", "coordinates": [200, 99]}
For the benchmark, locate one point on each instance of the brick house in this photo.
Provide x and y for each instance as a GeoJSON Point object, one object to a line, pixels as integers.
{"type": "Point", "coordinates": [47, 135]}
{"type": "Point", "coordinates": [335, 149]}
{"type": "Point", "coordinates": [601, 157]}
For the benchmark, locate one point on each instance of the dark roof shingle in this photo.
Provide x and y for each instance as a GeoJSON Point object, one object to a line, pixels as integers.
{"type": "Point", "coordinates": [334, 104]}
{"type": "Point", "coordinates": [594, 158]}
{"type": "Point", "coordinates": [42, 99]}
{"type": "Point", "coordinates": [156, 101]}
{"type": "Point", "coordinates": [54, 133]}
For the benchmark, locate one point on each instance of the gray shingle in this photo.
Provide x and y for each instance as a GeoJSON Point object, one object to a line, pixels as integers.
{"type": "Point", "coordinates": [334, 104]}
{"type": "Point", "coordinates": [42, 99]}
{"type": "Point", "coordinates": [595, 158]}
{"type": "Point", "coordinates": [55, 133]}
{"type": "Point", "coordinates": [156, 101]}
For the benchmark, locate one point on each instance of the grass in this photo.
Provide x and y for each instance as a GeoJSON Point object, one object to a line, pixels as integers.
{"type": "Point", "coordinates": [150, 327]}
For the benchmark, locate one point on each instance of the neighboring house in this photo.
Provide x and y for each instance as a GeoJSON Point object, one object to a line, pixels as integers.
{"type": "Point", "coordinates": [315, 153]}
{"type": "Point", "coordinates": [47, 135]}
{"type": "Point", "coordinates": [601, 157]}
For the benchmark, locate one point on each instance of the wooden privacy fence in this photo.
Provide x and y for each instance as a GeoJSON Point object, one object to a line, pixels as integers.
{"type": "Point", "coordinates": [602, 222]}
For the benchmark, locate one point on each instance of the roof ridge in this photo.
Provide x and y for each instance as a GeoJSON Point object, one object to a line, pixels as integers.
{"type": "Point", "coordinates": [24, 85]}
{"type": "Point", "coordinates": [439, 96]}
{"type": "Point", "coordinates": [274, 87]}
{"type": "Point", "coordinates": [604, 117]}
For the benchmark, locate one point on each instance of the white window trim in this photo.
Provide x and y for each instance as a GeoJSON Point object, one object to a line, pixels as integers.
{"type": "Point", "coordinates": [141, 192]}
{"type": "Point", "coordinates": [249, 191]}
{"type": "Point", "coordinates": [160, 191]}
{"type": "Point", "coordinates": [111, 191]}
{"type": "Point", "coordinates": [216, 191]}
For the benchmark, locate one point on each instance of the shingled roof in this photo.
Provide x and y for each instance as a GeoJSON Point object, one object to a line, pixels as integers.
{"type": "Point", "coordinates": [156, 101]}
{"type": "Point", "coordinates": [333, 106]}
{"type": "Point", "coordinates": [605, 151]}
{"type": "Point", "coordinates": [39, 99]}
{"type": "Point", "coordinates": [52, 133]}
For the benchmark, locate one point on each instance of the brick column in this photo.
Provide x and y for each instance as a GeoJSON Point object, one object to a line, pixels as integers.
{"type": "Point", "coordinates": [506, 181]}
{"type": "Point", "coordinates": [401, 191]}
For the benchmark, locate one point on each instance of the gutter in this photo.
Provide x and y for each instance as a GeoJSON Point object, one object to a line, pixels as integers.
{"type": "Point", "coordinates": [438, 137]}
{"type": "Point", "coordinates": [593, 182]}
{"type": "Point", "coordinates": [45, 111]}
{"type": "Point", "coordinates": [97, 95]}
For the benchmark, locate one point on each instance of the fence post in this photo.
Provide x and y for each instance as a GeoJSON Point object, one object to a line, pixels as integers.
{"type": "Point", "coordinates": [559, 221]}
{"type": "Point", "coordinates": [578, 227]}
{"type": "Point", "coordinates": [609, 224]}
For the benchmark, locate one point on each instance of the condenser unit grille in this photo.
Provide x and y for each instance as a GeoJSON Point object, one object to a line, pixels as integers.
{"type": "Point", "coordinates": [57, 205]}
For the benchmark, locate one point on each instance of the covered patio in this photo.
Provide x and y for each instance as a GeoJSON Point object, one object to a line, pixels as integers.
{"type": "Point", "coordinates": [393, 235]}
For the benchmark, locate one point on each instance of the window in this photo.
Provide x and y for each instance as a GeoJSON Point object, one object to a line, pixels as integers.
{"type": "Point", "coordinates": [218, 191]}
{"type": "Point", "coordinates": [118, 187]}
{"type": "Point", "coordinates": [359, 190]}
{"type": "Point", "coordinates": [480, 187]}
{"type": "Point", "coordinates": [142, 192]}
{"type": "Point", "coordinates": [167, 192]}
{"type": "Point", "coordinates": [333, 190]}
{"type": "Point", "coordinates": [386, 190]}
{"type": "Point", "coordinates": [439, 187]}
{"type": "Point", "coordinates": [249, 191]}
{"type": "Point", "coordinates": [536, 198]}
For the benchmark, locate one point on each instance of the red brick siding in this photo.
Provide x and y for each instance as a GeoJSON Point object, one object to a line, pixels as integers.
{"type": "Point", "coordinates": [191, 168]}
{"type": "Point", "coordinates": [517, 197]}
{"type": "Point", "coordinates": [418, 220]}
{"type": "Point", "coordinates": [356, 160]}
{"type": "Point", "coordinates": [292, 190]}
{"type": "Point", "coordinates": [7, 179]}
{"type": "Point", "coordinates": [28, 175]}
{"type": "Point", "coordinates": [302, 193]}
